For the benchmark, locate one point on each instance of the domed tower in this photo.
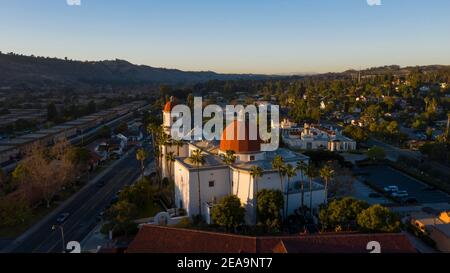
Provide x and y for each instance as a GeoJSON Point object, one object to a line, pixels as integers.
{"type": "Point", "coordinates": [245, 149]}
{"type": "Point", "coordinates": [167, 120]}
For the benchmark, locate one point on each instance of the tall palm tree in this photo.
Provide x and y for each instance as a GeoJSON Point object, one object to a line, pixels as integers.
{"type": "Point", "coordinates": [311, 173]}
{"type": "Point", "coordinates": [170, 159]}
{"type": "Point", "coordinates": [198, 159]}
{"type": "Point", "coordinates": [301, 165]}
{"type": "Point", "coordinates": [256, 172]}
{"type": "Point", "coordinates": [290, 172]}
{"type": "Point", "coordinates": [141, 155]}
{"type": "Point", "coordinates": [164, 141]}
{"type": "Point", "coordinates": [278, 164]}
{"type": "Point", "coordinates": [326, 173]}
{"type": "Point", "coordinates": [229, 158]}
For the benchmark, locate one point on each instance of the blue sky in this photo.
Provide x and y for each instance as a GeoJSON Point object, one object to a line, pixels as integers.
{"type": "Point", "coordinates": [237, 36]}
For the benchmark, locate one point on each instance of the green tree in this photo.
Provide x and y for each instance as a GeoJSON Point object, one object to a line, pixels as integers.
{"type": "Point", "coordinates": [279, 165]}
{"type": "Point", "coordinates": [392, 128]}
{"type": "Point", "coordinates": [141, 156]}
{"type": "Point", "coordinates": [229, 158]}
{"type": "Point", "coordinates": [356, 133]}
{"type": "Point", "coordinates": [378, 219]}
{"type": "Point", "coordinates": [270, 205]}
{"type": "Point", "coordinates": [376, 153]}
{"type": "Point", "coordinates": [198, 159]}
{"type": "Point", "coordinates": [255, 173]}
{"type": "Point", "coordinates": [120, 218]}
{"type": "Point", "coordinates": [229, 213]}
{"type": "Point", "coordinates": [311, 172]}
{"type": "Point", "coordinates": [79, 156]}
{"type": "Point", "coordinates": [13, 212]}
{"type": "Point", "coordinates": [342, 212]}
{"type": "Point", "coordinates": [326, 173]}
{"type": "Point", "coordinates": [302, 166]}
{"type": "Point", "coordinates": [170, 159]}
{"type": "Point", "coordinates": [290, 173]}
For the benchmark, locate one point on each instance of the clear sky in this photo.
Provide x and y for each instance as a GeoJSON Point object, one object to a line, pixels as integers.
{"type": "Point", "coordinates": [237, 36]}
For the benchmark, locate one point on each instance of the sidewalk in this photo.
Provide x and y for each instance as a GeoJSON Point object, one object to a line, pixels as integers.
{"type": "Point", "coordinates": [62, 206]}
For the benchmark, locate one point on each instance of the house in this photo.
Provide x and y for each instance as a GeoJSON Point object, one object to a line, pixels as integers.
{"type": "Point", "coordinates": [318, 138]}
{"type": "Point", "coordinates": [161, 239]}
{"type": "Point", "coordinates": [436, 227]}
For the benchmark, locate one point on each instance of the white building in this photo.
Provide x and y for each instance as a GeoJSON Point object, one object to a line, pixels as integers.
{"type": "Point", "coordinates": [316, 138]}
{"type": "Point", "coordinates": [209, 183]}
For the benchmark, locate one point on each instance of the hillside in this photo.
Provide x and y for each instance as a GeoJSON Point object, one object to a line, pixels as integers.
{"type": "Point", "coordinates": [19, 70]}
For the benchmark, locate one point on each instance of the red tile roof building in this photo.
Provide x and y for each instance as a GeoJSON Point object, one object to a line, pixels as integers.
{"type": "Point", "coordinates": [158, 239]}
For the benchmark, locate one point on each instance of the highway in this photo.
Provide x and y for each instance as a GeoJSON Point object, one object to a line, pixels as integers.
{"type": "Point", "coordinates": [83, 209]}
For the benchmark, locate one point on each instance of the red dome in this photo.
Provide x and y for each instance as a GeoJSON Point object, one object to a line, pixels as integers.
{"type": "Point", "coordinates": [168, 107]}
{"type": "Point", "coordinates": [236, 145]}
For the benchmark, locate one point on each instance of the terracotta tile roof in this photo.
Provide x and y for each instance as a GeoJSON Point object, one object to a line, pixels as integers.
{"type": "Point", "coordinates": [157, 239]}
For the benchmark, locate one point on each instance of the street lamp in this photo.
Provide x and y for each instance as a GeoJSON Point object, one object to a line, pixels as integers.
{"type": "Point", "coordinates": [54, 227]}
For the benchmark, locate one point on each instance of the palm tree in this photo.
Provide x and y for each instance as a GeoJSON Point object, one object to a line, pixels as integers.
{"type": "Point", "coordinates": [311, 173]}
{"type": "Point", "coordinates": [290, 172]}
{"type": "Point", "coordinates": [165, 141]}
{"type": "Point", "coordinates": [178, 144]}
{"type": "Point", "coordinates": [256, 172]}
{"type": "Point", "coordinates": [229, 158]}
{"type": "Point", "coordinates": [278, 164]}
{"type": "Point", "coordinates": [198, 159]}
{"type": "Point", "coordinates": [326, 173]}
{"type": "Point", "coordinates": [154, 129]}
{"type": "Point", "coordinates": [141, 155]}
{"type": "Point", "coordinates": [170, 158]}
{"type": "Point", "coordinates": [301, 165]}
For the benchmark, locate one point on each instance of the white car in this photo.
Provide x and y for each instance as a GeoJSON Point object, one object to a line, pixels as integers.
{"type": "Point", "coordinates": [400, 194]}
{"type": "Point", "coordinates": [391, 189]}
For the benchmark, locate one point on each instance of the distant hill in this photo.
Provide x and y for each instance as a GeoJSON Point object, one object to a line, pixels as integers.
{"type": "Point", "coordinates": [19, 70]}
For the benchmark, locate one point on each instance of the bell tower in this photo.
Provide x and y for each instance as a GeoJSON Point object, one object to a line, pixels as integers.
{"type": "Point", "coordinates": [167, 120]}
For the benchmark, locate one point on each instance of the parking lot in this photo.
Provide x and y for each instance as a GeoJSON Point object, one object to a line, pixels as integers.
{"type": "Point", "coordinates": [383, 176]}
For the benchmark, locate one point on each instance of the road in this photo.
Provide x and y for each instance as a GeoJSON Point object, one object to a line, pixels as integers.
{"type": "Point", "coordinates": [83, 209]}
{"type": "Point", "coordinates": [392, 152]}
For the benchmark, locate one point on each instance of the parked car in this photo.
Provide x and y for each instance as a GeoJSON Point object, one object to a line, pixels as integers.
{"type": "Point", "coordinates": [391, 189]}
{"type": "Point", "coordinates": [62, 217]}
{"type": "Point", "coordinates": [400, 194]}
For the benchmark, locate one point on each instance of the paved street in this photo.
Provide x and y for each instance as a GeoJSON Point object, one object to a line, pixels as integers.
{"type": "Point", "coordinates": [83, 210]}
{"type": "Point", "coordinates": [392, 152]}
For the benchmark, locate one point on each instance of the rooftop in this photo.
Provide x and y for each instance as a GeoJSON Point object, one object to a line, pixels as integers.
{"type": "Point", "coordinates": [159, 239]}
